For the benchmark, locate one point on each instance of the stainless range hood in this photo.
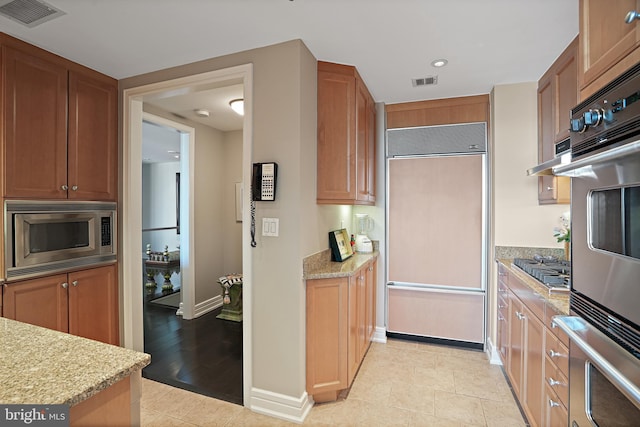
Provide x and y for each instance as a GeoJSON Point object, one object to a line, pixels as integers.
{"type": "Point", "coordinates": [562, 155]}
{"type": "Point", "coordinates": [546, 168]}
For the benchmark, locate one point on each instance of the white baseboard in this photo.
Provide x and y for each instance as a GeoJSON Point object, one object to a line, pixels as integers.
{"type": "Point", "coordinates": [380, 335]}
{"type": "Point", "coordinates": [207, 306]}
{"type": "Point", "coordinates": [493, 354]}
{"type": "Point", "coordinates": [281, 406]}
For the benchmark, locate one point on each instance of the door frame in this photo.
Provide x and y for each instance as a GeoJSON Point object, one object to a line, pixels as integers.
{"type": "Point", "coordinates": [130, 206]}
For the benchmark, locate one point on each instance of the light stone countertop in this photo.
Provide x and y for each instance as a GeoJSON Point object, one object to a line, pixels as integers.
{"type": "Point", "coordinates": [560, 301]}
{"type": "Point", "coordinates": [43, 366]}
{"type": "Point", "coordinates": [320, 266]}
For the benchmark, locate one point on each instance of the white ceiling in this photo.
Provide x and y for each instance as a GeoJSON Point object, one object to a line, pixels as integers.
{"type": "Point", "coordinates": [487, 42]}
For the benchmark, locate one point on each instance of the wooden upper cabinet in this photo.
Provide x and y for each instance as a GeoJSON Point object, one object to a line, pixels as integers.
{"type": "Point", "coordinates": [35, 123]}
{"type": "Point", "coordinates": [61, 127]}
{"type": "Point", "coordinates": [93, 140]}
{"type": "Point", "coordinates": [346, 137]}
{"type": "Point", "coordinates": [608, 45]}
{"type": "Point", "coordinates": [557, 95]}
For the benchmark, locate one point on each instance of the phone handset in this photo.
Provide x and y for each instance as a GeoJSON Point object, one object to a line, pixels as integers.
{"type": "Point", "coordinates": [263, 188]}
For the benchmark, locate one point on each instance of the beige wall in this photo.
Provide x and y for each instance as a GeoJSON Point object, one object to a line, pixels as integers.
{"type": "Point", "coordinates": [284, 131]}
{"type": "Point", "coordinates": [210, 194]}
{"type": "Point", "coordinates": [517, 219]}
{"type": "Point", "coordinates": [232, 230]}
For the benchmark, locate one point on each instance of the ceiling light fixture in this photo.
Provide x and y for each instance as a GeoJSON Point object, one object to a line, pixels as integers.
{"type": "Point", "coordinates": [237, 105]}
{"type": "Point", "coordinates": [438, 63]}
{"type": "Point", "coordinates": [201, 112]}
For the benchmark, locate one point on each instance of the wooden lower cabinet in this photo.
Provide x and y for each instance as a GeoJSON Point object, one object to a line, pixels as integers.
{"type": "Point", "coordinates": [340, 325]}
{"type": "Point", "coordinates": [515, 352]}
{"type": "Point", "coordinates": [533, 367]}
{"type": "Point", "coordinates": [533, 353]}
{"type": "Point", "coordinates": [83, 303]}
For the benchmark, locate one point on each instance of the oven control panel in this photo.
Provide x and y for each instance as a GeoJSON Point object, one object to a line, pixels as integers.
{"type": "Point", "coordinates": [607, 118]}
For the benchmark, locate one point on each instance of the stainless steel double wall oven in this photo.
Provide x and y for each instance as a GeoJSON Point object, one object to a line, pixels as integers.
{"type": "Point", "coordinates": [604, 325]}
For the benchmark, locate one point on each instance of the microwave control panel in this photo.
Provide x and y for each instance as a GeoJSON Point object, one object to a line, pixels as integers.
{"type": "Point", "coordinates": [105, 228]}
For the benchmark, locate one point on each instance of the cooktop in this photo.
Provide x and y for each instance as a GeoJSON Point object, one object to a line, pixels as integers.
{"type": "Point", "coordinates": [551, 272]}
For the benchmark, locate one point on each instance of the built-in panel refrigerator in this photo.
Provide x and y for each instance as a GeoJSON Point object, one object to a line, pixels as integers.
{"type": "Point", "coordinates": [437, 233]}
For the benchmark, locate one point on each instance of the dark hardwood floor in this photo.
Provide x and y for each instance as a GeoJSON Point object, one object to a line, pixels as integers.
{"type": "Point", "coordinates": [203, 355]}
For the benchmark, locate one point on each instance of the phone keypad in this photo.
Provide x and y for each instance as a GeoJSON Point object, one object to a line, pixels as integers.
{"type": "Point", "coordinates": [267, 188]}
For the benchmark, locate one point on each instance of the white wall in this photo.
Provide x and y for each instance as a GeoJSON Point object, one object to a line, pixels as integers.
{"type": "Point", "coordinates": [159, 205]}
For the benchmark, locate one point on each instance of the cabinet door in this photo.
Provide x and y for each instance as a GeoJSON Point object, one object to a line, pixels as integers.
{"type": "Point", "coordinates": [534, 362]}
{"type": "Point", "coordinates": [503, 328]}
{"type": "Point", "coordinates": [515, 359]}
{"type": "Point", "coordinates": [327, 312]}
{"type": "Point", "coordinates": [372, 275]}
{"type": "Point", "coordinates": [365, 144]}
{"type": "Point", "coordinates": [547, 191]}
{"type": "Point", "coordinates": [545, 119]}
{"type": "Point", "coordinates": [35, 126]}
{"type": "Point", "coordinates": [93, 142]}
{"type": "Point", "coordinates": [566, 90]}
{"type": "Point", "coordinates": [93, 304]}
{"type": "Point", "coordinates": [605, 39]}
{"type": "Point", "coordinates": [363, 340]}
{"type": "Point", "coordinates": [353, 361]}
{"type": "Point", "coordinates": [336, 137]}
{"type": "Point", "coordinates": [41, 302]}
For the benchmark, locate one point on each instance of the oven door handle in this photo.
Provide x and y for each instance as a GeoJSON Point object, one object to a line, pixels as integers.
{"type": "Point", "coordinates": [580, 332]}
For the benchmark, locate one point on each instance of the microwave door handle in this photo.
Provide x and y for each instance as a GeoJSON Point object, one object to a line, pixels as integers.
{"type": "Point", "coordinates": [569, 324]}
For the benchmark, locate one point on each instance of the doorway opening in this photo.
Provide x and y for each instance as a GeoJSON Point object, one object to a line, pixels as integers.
{"type": "Point", "coordinates": [197, 304]}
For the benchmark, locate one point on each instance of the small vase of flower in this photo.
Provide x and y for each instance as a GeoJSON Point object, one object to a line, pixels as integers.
{"type": "Point", "coordinates": [563, 234]}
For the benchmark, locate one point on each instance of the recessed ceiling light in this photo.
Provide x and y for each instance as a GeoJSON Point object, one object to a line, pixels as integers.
{"type": "Point", "coordinates": [201, 112]}
{"type": "Point", "coordinates": [438, 63]}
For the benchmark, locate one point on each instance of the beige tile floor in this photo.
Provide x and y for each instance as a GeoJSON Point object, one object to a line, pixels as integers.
{"type": "Point", "coordinates": [400, 383]}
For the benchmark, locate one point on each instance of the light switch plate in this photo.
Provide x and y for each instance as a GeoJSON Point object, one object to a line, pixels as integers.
{"type": "Point", "coordinates": [270, 227]}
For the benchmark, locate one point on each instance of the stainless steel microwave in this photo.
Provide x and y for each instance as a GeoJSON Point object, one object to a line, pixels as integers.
{"type": "Point", "coordinates": [45, 237]}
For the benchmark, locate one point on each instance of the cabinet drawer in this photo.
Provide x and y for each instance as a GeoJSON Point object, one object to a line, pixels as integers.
{"type": "Point", "coordinates": [556, 380]}
{"type": "Point", "coordinates": [549, 314]}
{"type": "Point", "coordinates": [532, 300]}
{"type": "Point", "coordinates": [557, 352]}
{"type": "Point", "coordinates": [556, 413]}
{"type": "Point", "coordinates": [503, 274]}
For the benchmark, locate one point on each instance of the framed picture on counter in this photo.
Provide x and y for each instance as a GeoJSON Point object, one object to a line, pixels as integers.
{"type": "Point", "coordinates": [340, 245]}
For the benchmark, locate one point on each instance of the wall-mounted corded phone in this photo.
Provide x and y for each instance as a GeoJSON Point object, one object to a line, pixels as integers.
{"type": "Point", "coordinates": [263, 188]}
{"type": "Point", "coordinates": [263, 184]}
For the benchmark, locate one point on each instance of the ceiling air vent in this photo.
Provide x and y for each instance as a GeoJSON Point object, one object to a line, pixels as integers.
{"type": "Point", "coordinates": [425, 81]}
{"type": "Point", "coordinates": [29, 12]}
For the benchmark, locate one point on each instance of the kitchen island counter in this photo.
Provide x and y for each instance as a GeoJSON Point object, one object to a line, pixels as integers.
{"type": "Point", "coordinates": [43, 366]}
